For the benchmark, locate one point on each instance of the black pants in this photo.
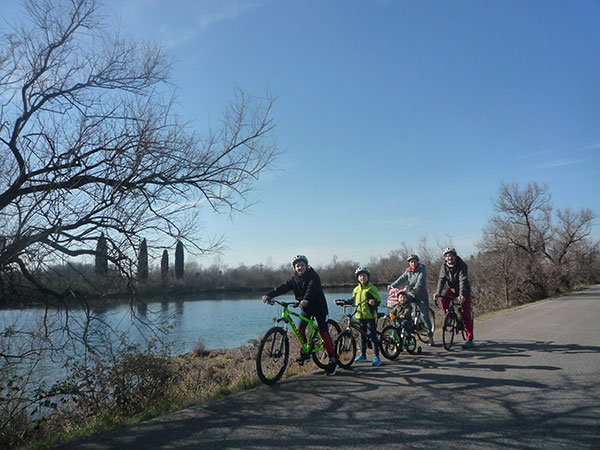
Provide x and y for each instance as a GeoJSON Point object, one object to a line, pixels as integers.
{"type": "Point", "coordinates": [369, 326]}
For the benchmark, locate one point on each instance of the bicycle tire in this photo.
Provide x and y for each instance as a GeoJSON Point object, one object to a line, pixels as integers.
{"type": "Point", "coordinates": [321, 357]}
{"type": "Point", "coordinates": [384, 322]}
{"type": "Point", "coordinates": [419, 326]}
{"type": "Point", "coordinates": [448, 330]}
{"type": "Point", "coordinates": [273, 354]}
{"type": "Point", "coordinates": [345, 349]}
{"type": "Point", "coordinates": [410, 343]}
{"type": "Point", "coordinates": [389, 343]}
{"type": "Point", "coordinates": [464, 328]}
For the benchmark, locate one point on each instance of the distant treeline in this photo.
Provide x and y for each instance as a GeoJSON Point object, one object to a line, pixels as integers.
{"type": "Point", "coordinates": [528, 251]}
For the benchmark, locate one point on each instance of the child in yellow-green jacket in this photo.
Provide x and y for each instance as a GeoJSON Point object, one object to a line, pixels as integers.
{"type": "Point", "coordinates": [366, 298]}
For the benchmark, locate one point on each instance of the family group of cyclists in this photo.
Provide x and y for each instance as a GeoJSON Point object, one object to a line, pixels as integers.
{"type": "Point", "coordinates": [306, 285]}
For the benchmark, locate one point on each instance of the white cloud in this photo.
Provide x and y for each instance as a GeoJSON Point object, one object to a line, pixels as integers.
{"type": "Point", "coordinates": [408, 223]}
{"type": "Point", "coordinates": [595, 146]}
{"type": "Point", "coordinates": [178, 25]}
{"type": "Point", "coordinates": [561, 163]}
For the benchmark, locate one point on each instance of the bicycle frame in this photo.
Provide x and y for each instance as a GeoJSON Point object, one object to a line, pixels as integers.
{"type": "Point", "coordinates": [452, 307]}
{"type": "Point", "coordinates": [353, 324]}
{"type": "Point", "coordinates": [287, 317]}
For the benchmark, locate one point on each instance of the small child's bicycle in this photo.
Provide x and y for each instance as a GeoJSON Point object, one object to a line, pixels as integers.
{"type": "Point", "coordinates": [274, 349]}
{"type": "Point", "coordinates": [403, 338]}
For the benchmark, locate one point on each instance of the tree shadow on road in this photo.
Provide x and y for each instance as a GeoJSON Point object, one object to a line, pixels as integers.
{"type": "Point", "coordinates": [484, 398]}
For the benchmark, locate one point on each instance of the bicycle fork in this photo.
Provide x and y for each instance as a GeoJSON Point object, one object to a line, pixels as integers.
{"type": "Point", "coordinates": [275, 352]}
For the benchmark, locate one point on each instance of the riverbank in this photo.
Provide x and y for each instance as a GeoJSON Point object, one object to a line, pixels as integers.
{"type": "Point", "coordinates": [137, 386]}
{"type": "Point", "coordinates": [162, 386]}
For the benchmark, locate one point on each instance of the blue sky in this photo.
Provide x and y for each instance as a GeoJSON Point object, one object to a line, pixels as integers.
{"type": "Point", "coordinates": [397, 120]}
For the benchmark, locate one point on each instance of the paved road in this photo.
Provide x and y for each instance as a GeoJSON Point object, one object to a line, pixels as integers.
{"type": "Point", "coordinates": [533, 381]}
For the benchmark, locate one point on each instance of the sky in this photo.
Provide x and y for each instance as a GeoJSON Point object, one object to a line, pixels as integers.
{"type": "Point", "coordinates": [397, 121]}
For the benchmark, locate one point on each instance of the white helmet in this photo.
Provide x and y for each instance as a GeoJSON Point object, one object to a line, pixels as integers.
{"type": "Point", "coordinates": [449, 250]}
{"type": "Point", "coordinates": [362, 269]}
{"type": "Point", "coordinates": [299, 258]}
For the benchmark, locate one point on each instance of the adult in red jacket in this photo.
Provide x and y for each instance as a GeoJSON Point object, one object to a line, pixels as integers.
{"type": "Point", "coordinates": [306, 285]}
{"type": "Point", "coordinates": [454, 273]}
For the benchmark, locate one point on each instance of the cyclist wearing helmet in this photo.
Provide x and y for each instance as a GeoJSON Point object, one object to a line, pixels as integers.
{"type": "Point", "coordinates": [415, 279]}
{"type": "Point", "coordinates": [306, 284]}
{"type": "Point", "coordinates": [454, 272]}
{"type": "Point", "coordinates": [366, 298]}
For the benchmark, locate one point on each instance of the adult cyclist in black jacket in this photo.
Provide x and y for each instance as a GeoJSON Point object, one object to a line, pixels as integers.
{"type": "Point", "coordinates": [306, 285]}
{"type": "Point", "coordinates": [454, 274]}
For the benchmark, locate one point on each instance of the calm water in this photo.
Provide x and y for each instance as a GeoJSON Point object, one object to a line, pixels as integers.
{"type": "Point", "coordinates": [217, 323]}
{"type": "Point", "coordinates": [222, 323]}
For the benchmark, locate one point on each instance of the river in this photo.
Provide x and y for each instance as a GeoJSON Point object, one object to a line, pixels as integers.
{"type": "Point", "coordinates": [217, 323]}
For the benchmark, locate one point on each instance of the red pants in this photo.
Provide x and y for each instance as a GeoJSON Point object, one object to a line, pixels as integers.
{"type": "Point", "coordinates": [466, 307]}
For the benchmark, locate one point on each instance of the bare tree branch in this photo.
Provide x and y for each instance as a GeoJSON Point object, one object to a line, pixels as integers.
{"type": "Point", "coordinates": [89, 144]}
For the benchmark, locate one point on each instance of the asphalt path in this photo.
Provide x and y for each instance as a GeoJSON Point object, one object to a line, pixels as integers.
{"type": "Point", "coordinates": [532, 381]}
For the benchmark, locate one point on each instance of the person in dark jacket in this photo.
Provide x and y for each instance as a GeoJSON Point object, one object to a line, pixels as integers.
{"type": "Point", "coordinates": [454, 273]}
{"type": "Point", "coordinates": [306, 285]}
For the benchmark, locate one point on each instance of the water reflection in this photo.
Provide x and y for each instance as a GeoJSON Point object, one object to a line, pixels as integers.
{"type": "Point", "coordinates": [218, 322]}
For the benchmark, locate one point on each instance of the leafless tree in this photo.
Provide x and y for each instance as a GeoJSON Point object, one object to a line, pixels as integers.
{"type": "Point", "coordinates": [531, 244]}
{"type": "Point", "coordinates": [90, 143]}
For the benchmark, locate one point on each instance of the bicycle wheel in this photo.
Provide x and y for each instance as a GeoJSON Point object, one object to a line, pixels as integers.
{"type": "Point", "coordinates": [448, 330]}
{"type": "Point", "coordinates": [464, 329]}
{"type": "Point", "coordinates": [432, 319]}
{"type": "Point", "coordinates": [383, 321]}
{"type": "Point", "coordinates": [410, 343]}
{"type": "Point", "coordinates": [273, 354]}
{"type": "Point", "coordinates": [320, 356]}
{"type": "Point", "coordinates": [345, 349]}
{"type": "Point", "coordinates": [389, 343]}
{"type": "Point", "coordinates": [420, 330]}
{"type": "Point", "coordinates": [419, 326]}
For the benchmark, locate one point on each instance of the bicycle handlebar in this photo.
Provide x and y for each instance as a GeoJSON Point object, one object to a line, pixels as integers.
{"type": "Point", "coordinates": [293, 304]}
{"type": "Point", "coordinates": [447, 297]}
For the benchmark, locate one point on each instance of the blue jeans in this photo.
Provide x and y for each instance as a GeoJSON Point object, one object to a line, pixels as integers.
{"type": "Point", "coordinates": [424, 309]}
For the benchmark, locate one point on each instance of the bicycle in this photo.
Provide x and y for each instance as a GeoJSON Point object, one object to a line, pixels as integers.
{"type": "Point", "coordinates": [274, 349]}
{"type": "Point", "coordinates": [418, 325]}
{"type": "Point", "coordinates": [453, 322]}
{"type": "Point", "coordinates": [404, 339]}
{"type": "Point", "coordinates": [345, 344]}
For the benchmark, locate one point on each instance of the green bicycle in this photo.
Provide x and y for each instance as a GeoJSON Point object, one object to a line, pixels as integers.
{"type": "Point", "coordinates": [274, 349]}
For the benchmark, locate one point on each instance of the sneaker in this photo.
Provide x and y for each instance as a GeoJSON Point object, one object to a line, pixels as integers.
{"type": "Point", "coordinates": [376, 361]}
{"type": "Point", "coordinates": [302, 358]}
{"type": "Point", "coordinates": [431, 341]}
{"type": "Point", "coordinates": [360, 357]}
{"type": "Point", "coordinates": [332, 368]}
{"type": "Point", "coordinates": [468, 344]}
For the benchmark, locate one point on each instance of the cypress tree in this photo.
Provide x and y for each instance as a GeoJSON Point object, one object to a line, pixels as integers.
{"type": "Point", "coordinates": [164, 265]}
{"type": "Point", "coordinates": [143, 261]}
{"type": "Point", "coordinates": [179, 260]}
{"type": "Point", "coordinates": [101, 256]}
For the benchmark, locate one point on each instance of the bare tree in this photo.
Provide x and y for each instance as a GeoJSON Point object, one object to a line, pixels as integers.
{"type": "Point", "coordinates": [529, 244]}
{"type": "Point", "coordinates": [89, 143]}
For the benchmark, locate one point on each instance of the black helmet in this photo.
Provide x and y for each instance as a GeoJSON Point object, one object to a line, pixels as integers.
{"type": "Point", "coordinates": [299, 258]}
{"type": "Point", "coordinates": [411, 257]}
{"type": "Point", "coordinates": [362, 269]}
